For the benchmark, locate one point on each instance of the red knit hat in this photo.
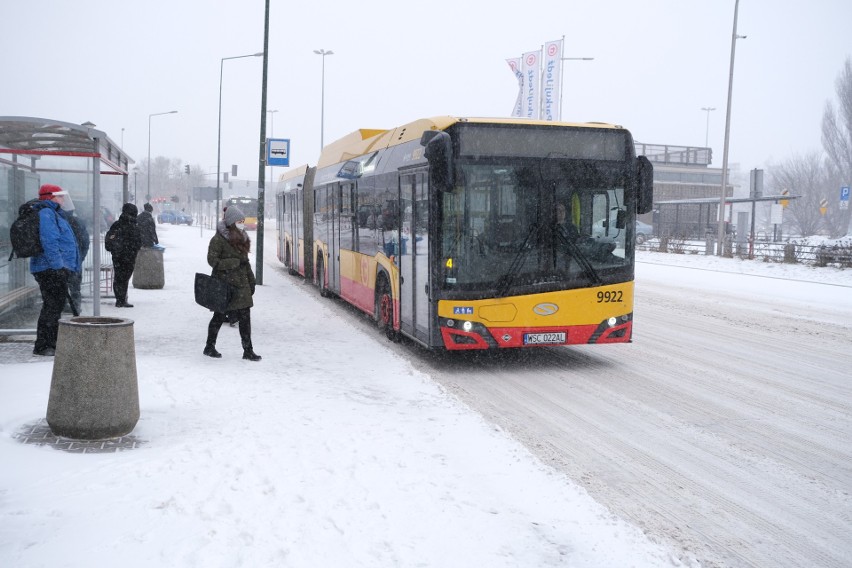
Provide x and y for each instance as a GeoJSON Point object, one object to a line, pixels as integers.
{"type": "Point", "coordinates": [48, 190]}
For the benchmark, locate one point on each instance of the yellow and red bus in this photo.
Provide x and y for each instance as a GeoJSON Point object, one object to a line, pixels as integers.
{"type": "Point", "coordinates": [248, 205]}
{"type": "Point", "coordinates": [469, 233]}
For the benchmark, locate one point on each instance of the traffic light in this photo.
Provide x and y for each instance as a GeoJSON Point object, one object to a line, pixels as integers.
{"type": "Point", "coordinates": [186, 169]}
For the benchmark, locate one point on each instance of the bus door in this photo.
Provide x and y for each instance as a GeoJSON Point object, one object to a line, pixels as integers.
{"type": "Point", "coordinates": [414, 254]}
{"type": "Point", "coordinates": [323, 223]}
{"type": "Point", "coordinates": [334, 251]}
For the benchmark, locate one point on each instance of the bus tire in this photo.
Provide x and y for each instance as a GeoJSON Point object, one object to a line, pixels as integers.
{"type": "Point", "coordinates": [384, 307]}
{"type": "Point", "coordinates": [288, 261]}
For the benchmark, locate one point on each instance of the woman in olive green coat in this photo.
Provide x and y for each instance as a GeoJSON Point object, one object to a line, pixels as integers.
{"type": "Point", "coordinates": [227, 253]}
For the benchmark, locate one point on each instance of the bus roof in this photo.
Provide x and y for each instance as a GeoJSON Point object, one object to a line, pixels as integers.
{"type": "Point", "coordinates": [364, 141]}
{"type": "Point", "coordinates": [293, 173]}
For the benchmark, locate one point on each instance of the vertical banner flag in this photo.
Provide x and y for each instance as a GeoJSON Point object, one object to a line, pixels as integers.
{"type": "Point", "coordinates": [515, 66]}
{"type": "Point", "coordinates": [532, 80]}
{"type": "Point", "coordinates": [550, 81]}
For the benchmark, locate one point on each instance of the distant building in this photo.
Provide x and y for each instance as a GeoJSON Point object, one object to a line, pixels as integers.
{"type": "Point", "coordinates": [683, 173]}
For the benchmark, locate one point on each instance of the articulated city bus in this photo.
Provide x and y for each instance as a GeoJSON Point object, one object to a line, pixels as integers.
{"type": "Point", "coordinates": [469, 233]}
{"type": "Point", "coordinates": [248, 205]}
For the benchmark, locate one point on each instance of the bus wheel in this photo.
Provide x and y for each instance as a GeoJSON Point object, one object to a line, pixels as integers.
{"type": "Point", "coordinates": [321, 279]}
{"type": "Point", "coordinates": [384, 308]}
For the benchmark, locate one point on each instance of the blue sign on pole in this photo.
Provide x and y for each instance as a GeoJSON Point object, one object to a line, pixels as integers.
{"type": "Point", "coordinates": [278, 152]}
{"type": "Point", "coordinates": [844, 193]}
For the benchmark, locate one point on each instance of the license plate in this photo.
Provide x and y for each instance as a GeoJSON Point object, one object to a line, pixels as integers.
{"type": "Point", "coordinates": [544, 338]}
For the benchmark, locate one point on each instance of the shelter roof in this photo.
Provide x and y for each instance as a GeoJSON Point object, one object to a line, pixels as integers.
{"type": "Point", "coordinates": [41, 136]}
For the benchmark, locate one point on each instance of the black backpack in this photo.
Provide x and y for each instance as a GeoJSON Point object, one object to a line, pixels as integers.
{"type": "Point", "coordinates": [24, 232]}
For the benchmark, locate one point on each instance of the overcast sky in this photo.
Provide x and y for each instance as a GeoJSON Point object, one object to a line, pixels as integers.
{"type": "Point", "coordinates": [657, 63]}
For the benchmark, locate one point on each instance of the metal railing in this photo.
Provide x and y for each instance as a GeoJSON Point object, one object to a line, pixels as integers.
{"type": "Point", "coordinates": [793, 251]}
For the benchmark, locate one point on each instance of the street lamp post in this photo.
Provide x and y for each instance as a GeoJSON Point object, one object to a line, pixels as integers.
{"type": "Point", "coordinates": [707, 131]}
{"type": "Point", "coordinates": [721, 231]}
{"type": "Point", "coordinates": [322, 100]}
{"type": "Point", "coordinates": [148, 196]}
{"type": "Point", "coordinates": [562, 76]}
{"type": "Point", "coordinates": [135, 186]}
{"type": "Point", "coordinates": [219, 137]}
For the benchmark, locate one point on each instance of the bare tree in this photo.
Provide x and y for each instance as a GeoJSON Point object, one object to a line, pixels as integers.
{"type": "Point", "coordinates": [837, 142]}
{"type": "Point", "coordinates": [805, 176]}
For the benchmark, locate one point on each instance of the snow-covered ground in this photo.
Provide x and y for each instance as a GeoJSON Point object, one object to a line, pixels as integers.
{"type": "Point", "coordinates": [332, 451]}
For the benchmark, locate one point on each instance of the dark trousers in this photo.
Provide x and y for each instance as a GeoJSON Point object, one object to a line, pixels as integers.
{"type": "Point", "coordinates": [123, 272]}
{"type": "Point", "coordinates": [75, 281]}
{"type": "Point", "coordinates": [243, 317]}
{"type": "Point", "coordinates": [53, 285]}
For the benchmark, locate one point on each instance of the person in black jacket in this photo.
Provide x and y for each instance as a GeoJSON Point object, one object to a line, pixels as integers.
{"type": "Point", "coordinates": [147, 227]}
{"type": "Point", "coordinates": [227, 253]}
{"type": "Point", "coordinates": [75, 279]}
{"type": "Point", "coordinates": [123, 241]}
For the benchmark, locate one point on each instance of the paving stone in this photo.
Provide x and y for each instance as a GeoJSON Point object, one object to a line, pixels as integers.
{"type": "Point", "coordinates": [39, 434]}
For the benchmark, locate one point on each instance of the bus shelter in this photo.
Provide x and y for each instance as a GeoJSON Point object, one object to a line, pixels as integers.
{"type": "Point", "coordinates": [698, 218]}
{"type": "Point", "coordinates": [83, 161]}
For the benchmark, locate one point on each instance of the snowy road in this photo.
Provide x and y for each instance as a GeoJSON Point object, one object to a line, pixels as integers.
{"type": "Point", "coordinates": [725, 429]}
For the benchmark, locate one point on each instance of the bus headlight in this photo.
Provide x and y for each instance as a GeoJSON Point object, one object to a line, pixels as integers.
{"type": "Point", "coordinates": [612, 322]}
{"type": "Point", "coordinates": [467, 326]}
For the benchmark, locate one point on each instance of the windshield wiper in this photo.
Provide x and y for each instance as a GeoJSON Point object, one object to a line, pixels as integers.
{"type": "Point", "coordinates": [581, 259]}
{"type": "Point", "coordinates": [504, 283]}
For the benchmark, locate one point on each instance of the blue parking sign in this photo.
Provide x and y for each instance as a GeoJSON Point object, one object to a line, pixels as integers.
{"type": "Point", "coordinates": [844, 193]}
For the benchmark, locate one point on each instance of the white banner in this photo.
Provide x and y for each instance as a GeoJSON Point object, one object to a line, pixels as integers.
{"type": "Point", "coordinates": [550, 81]}
{"type": "Point", "coordinates": [532, 79]}
{"type": "Point", "coordinates": [515, 66]}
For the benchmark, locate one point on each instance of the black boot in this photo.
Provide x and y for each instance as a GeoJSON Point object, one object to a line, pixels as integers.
{"type": "Point", "coordinates": [212, 334]}
{"type": "Point", "coordinates": [244, 319]}
{"type": "Point", "coordinates": [251, 355]}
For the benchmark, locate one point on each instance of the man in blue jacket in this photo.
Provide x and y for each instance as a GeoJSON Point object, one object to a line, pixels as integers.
{"type": "Point", "coordinates": [61, 257]}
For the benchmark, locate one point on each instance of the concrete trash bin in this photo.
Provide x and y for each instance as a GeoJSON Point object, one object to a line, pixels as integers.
{"type": "Point", "coordinates": [148, 274]}
{"type": "Point", "coordinates": [93, 391]}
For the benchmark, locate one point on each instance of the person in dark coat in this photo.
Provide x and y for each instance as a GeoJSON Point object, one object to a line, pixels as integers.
{"type": "Point", "coordinates": [147, 227]}
{"type": "Point", "coordinates": [75, 279]}
{"type": "Point", "coordinates": [51, 268]}
{"type": "Point", "coordinates": [227, 253]}
{"type": "Point", "coordinates": [123, 242]}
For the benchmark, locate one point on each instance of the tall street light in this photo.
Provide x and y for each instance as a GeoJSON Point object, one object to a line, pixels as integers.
{"type": "Point", "coordinates": [707, 131]}
{"type": "Point", "coordinates": [148, 196]}
{"type": "Point", "coordinates": [721, 232]}
{"type": "Point", "coordinates": [562, 76]}
{"type": "Point", "coordinates": [322, 102]}
{"type": "Point", "coordinates": [219, 140]}
{"type": "Point", "coordinates": [261, 154]}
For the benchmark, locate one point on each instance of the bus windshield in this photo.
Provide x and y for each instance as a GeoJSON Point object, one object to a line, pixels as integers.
{"type": "Point", "coordinates": [248, 205]}
{"type": "Point", "coordinates": [520, 225]}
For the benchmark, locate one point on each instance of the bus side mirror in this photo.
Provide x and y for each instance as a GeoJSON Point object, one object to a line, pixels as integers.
{"type": "Point", "coordinates": [645, 179]}
{"type": "Point", "coordinates": [439, 152]}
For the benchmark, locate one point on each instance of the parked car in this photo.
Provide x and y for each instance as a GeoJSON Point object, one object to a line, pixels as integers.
{"type": "Point", "coordinates": [174, 218]}
{"type": "Point", "coordinates": [644, 231]}
{"type": "Point", "coordinates": [602, 228]}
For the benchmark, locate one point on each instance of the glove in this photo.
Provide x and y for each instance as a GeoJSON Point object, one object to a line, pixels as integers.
{"type": "Point", "coordinates": [252, 289]}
